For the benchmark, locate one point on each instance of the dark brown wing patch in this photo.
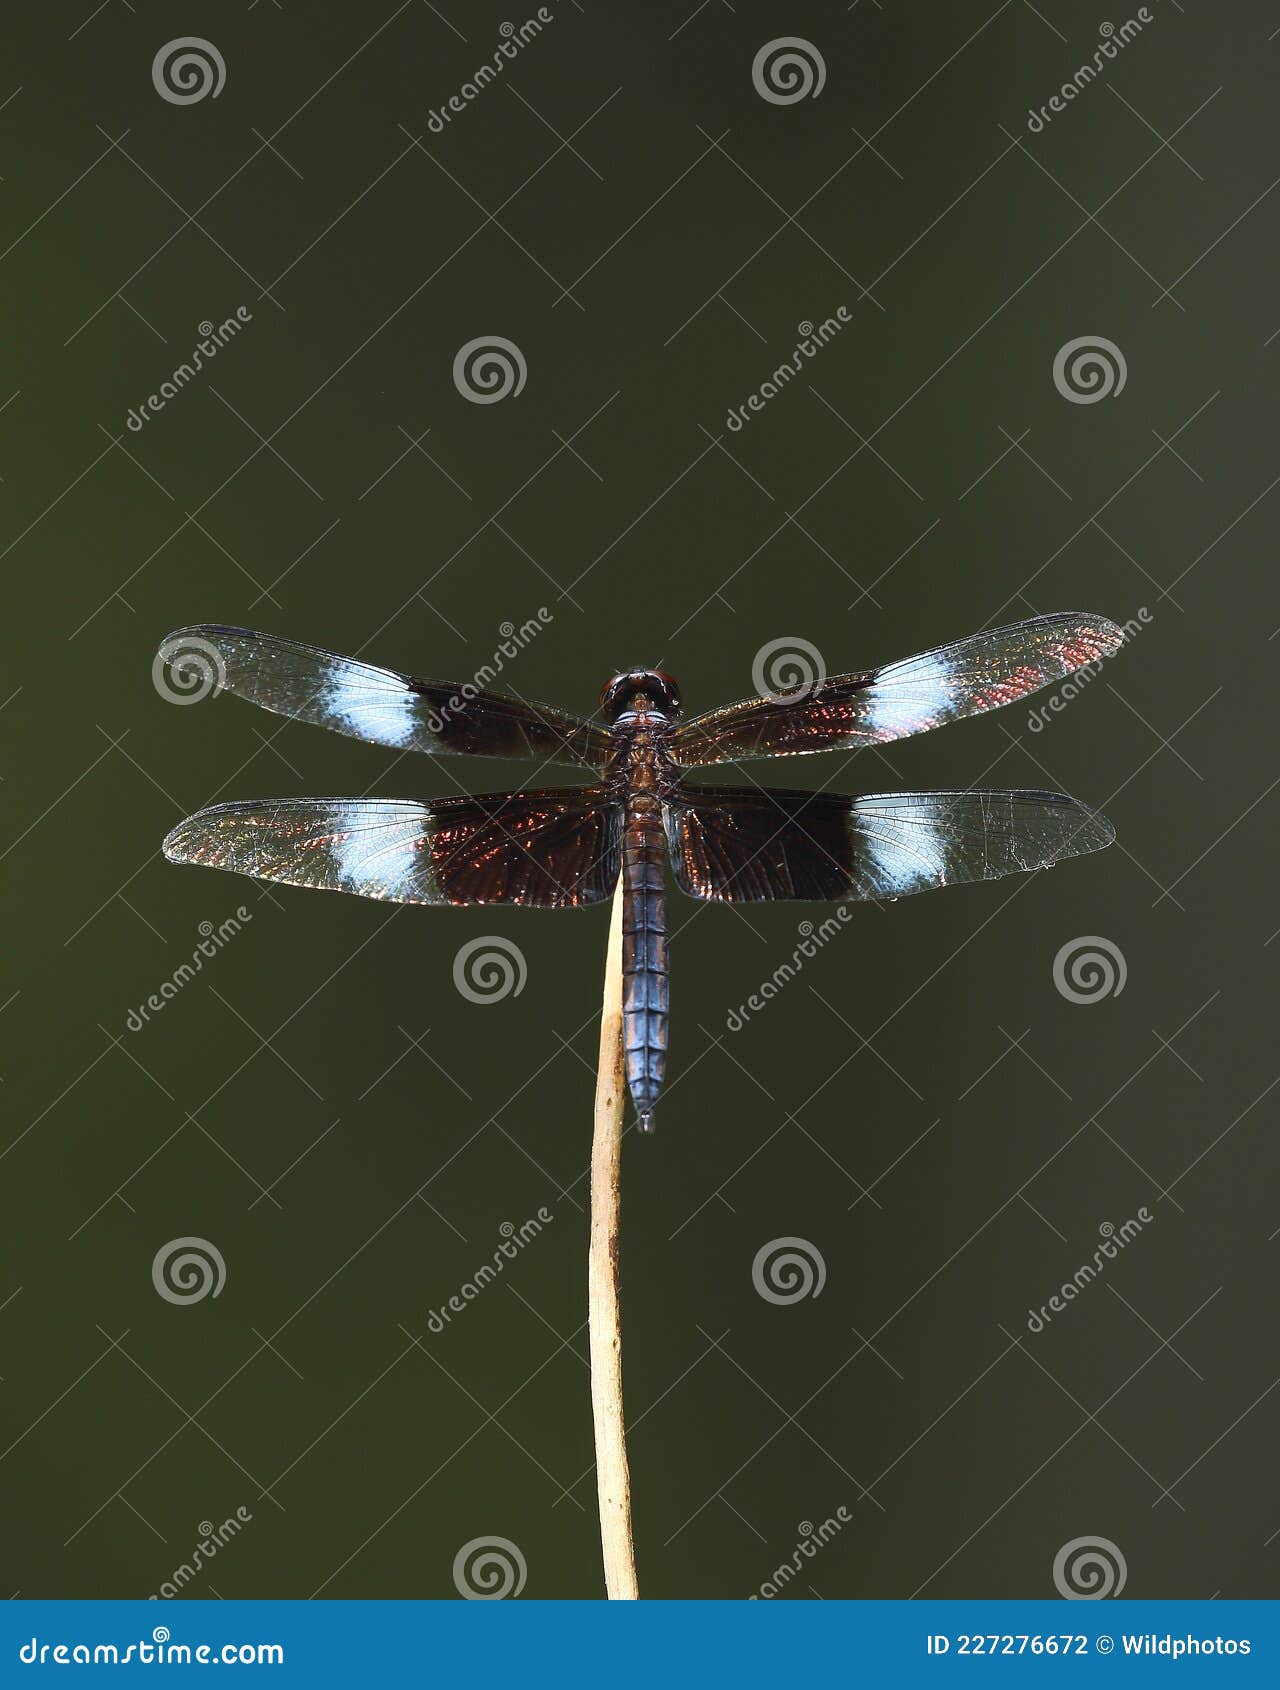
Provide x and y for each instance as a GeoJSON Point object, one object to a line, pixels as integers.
{"type": "Point", "coordinates": [743, 845]}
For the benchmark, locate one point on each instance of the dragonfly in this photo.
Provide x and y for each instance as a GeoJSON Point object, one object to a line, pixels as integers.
{"type": "Point", "coordinates": [569, 847]}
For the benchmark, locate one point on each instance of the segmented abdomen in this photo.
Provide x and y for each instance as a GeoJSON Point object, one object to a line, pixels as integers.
{"type": "Point", "coordinates": [645, 993]}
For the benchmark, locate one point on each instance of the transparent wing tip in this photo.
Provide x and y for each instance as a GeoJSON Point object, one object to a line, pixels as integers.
{"type": "Point", "coordinates": [178, 842]}
{"type": "Point", "coordinates": [1084, 829]}
{"type": "Point", "coordinates": [1097, 830]}
{"type": "Point", "coordinates": [189, 842]}
{"type": "Point", "coordinates": [1101, 633]}
{"type": "Point", "coordinates": [190, 664]}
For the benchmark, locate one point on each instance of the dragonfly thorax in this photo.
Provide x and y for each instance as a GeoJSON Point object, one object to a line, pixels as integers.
{"type": "Point", "coordinates": [638, 691]}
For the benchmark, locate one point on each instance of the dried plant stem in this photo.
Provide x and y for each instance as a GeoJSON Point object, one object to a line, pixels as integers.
{"type": "Point", "coordinates": [613, 1478]}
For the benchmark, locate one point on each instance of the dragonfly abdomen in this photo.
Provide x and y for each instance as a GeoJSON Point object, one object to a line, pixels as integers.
{"type": "Point", "coordinates": [645, 987]}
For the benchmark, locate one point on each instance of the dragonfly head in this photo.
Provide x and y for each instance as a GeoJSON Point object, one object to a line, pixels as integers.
{"type": "Point", "coordinates": [640, 689]}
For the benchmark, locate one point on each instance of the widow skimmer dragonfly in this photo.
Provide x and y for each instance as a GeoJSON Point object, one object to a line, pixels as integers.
{"type": "Point", "coordinates": [566, 847]}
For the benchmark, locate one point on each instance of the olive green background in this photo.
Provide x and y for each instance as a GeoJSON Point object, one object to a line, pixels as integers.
{"type": "Point", "coordinates": [921, 1106]}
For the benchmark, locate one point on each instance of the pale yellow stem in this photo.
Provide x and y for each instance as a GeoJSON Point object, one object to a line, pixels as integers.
{"type": "Point", "coordinates": [613, 1478]}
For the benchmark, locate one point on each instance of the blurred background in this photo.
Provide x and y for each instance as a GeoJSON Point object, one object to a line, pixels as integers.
{"type": "Point", "coordinates": [647, 208]}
